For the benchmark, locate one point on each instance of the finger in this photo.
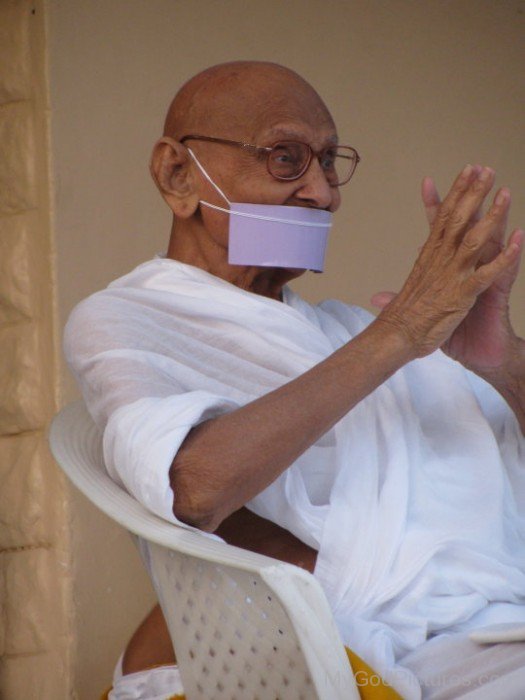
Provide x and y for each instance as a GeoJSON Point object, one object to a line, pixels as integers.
{"type": "Point", "coordinates": [517, 242]}
{"type": "Point", "coordinates": [505, 282]}
{"type": "Point", "coordinates": [459, 188]}
{"type": "Point", "coordinates": [503, 200]}
{"type": "Point", "coordinates": [495, 243]}
{"type": "Point", "coordinates": [483, 242]}
{"type": "Point", "coordinates": [382, 299]}
{"type": "Point", "coordinates": [504, 264]}
{"type": "Point", "coordinates": [457, 224]}
{"type": "Point", "coordinates": [445, 209]}
{"type": "Point", "coordinates": [431, 199]}
{"type": "Point", "coordinates": [477, 214]}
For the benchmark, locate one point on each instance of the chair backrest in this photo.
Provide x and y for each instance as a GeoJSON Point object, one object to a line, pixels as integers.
{"type": "Point", "coordinates": [243, 625]}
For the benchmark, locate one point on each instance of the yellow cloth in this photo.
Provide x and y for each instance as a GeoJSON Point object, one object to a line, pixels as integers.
{"type": "Point", "coordinates": [369, 684]}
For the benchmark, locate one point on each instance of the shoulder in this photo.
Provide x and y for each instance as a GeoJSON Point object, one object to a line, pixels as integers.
{"type": "Point", "coordinates": [331, 311]}
{"type": "Point", "coordinates": [112, 315]}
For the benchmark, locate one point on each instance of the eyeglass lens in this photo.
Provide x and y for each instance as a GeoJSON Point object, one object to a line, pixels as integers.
{"type": "Point", "coordinates": [289, 159]}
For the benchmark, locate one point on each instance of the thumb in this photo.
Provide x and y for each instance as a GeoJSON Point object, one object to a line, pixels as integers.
{"type": "Point", "coordinates": [382, 299]}
{"type": "Point", "coordinates": [431, 199]}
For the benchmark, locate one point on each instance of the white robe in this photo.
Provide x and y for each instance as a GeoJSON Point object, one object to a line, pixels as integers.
{"type": "Point", "coordinates": [415, 500]}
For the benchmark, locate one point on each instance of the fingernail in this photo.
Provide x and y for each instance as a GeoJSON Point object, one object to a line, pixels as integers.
{"type": "Point", "coordinates": [501, 197]}
{"type": "Point", "coordinates": [466, 170]}
{"type": "Point", "coordinates": [486, 174]}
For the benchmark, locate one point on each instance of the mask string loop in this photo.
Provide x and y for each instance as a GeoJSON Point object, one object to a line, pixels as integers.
{"type": "Point", "coordinates": [246, 214]}
{"type": "Point", "coordinates": [213, 184]}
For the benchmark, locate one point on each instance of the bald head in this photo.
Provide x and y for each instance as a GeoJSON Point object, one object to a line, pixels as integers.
{"type": "Point", "coordinates": [260, 103]}
{"type": "Point", "coordinates": [235, 100]}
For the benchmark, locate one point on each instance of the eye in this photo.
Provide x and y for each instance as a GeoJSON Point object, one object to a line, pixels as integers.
{"type": "Point", "coordinates": [327, 159]}
{"type": "Point", "coordinates": [287, 159]}
{"type": "Point", "coordinates": [285, 153]}
{"type": "Point", "coordinates": [283, 157]}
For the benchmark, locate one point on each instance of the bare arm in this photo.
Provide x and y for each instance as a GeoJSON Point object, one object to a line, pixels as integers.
{"type": "Point", "coordinates": [225, 462]}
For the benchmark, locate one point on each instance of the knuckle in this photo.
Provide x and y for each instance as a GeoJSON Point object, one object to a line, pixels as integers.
{"type": "Point", "coordinates": [456, 219]}
{"type": "Point", "coordinates": [471, 243]}
{"type": "Point", "coordinates": [448, 207]}
{"type": "Point", "coordinates": [493, 215]}
{"type": "Point", "coordinates": [487, 274]}
{"type": "Point", "coordinates": [481, 280]}
{"type": "Point", "coordinates": [444, 212]}
{"type": "Point", "coordinates": [440, 223]}
{"type": "Point", "coordinates": [479, 187]}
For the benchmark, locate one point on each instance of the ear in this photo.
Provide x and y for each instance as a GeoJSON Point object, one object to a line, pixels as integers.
{"type": "Point", "coordinates": [171, 170]}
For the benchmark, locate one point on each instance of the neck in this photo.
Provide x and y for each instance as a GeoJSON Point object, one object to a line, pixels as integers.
{"type": "Point", "coordinates": [189, 245]}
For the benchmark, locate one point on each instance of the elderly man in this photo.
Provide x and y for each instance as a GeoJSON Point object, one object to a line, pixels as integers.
{"type": "Point", "coordinates": [361, 450]}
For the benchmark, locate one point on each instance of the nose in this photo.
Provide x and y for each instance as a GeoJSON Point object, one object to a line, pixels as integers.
{"type": "Point", "coordinates": [313, 189]}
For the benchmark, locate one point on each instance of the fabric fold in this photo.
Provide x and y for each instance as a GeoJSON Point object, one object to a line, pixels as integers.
{"type": "Point", "coordinates": [415, 500]}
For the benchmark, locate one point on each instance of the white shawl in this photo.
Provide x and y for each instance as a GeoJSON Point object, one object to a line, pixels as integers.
{"type": "Point", "coordinates": [415, 500]}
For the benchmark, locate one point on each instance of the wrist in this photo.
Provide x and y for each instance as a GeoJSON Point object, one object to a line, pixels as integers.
{"type": "Point", "coordinates": [384, 344]}
{"type": "Point", "coordinates": [396, 338]}
{"type": "Point", "coordinates": [511, 373]}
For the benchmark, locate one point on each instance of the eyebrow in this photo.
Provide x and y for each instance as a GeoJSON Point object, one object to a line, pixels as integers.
{"type": "Point", "coordinates": [286, 134]}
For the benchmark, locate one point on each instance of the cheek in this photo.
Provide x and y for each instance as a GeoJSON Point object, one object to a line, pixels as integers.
{"type": "Point", "coordinates": [257, 186]}
{"type": "Point", "coordinates": [216, 225]}
{"type": "Point", "coordinates": [267, 191]}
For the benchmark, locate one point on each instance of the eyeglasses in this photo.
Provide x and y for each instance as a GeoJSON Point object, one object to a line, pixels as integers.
{"type": "Point", "coordinates": [289, 160]}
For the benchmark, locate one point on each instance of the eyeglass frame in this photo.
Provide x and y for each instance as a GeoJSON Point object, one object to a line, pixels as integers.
{"type": "Point", "coordinates": [269, 149]}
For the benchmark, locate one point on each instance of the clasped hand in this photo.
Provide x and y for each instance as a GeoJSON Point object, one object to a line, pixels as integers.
{"type": "Point", "coordinates": [457, 295]}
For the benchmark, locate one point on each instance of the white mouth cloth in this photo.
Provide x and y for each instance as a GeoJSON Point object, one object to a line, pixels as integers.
{"type": "Point", "coordinates": [415, 500]}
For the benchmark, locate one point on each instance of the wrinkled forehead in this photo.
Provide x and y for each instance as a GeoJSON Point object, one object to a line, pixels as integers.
{"type": "Point", "coordinates": [317, 133]}
{"type": "Point", "coordinates": [294, 120]}
{"type": "Point", "coordinates": [266, 108]}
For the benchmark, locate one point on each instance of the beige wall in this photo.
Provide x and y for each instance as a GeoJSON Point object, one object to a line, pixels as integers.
{"type": "Point", "coordinates": [418, 87]}
{"type": "Point", "coordinates": [35, 579]}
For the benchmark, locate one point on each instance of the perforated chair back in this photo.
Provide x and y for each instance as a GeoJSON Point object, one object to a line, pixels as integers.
{"type": "Point", "coordinates": [243, 625]}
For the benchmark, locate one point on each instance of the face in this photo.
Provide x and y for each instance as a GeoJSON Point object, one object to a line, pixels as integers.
{"type": "Point", "coordinates": [243, 176]}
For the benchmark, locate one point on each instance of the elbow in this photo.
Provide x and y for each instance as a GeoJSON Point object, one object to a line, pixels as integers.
{"type": "Point", "coordinates": [195, 502]}
{"type": "Point", "coordinates": [196, 513]}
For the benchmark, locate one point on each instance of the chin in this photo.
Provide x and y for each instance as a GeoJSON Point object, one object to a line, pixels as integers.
{"type": "Point", "coordinates": [294, 272]}
{"type": "Point", "coordinates": [283, 275]}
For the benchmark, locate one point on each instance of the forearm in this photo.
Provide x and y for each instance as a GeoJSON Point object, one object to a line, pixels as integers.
{"type": "Point", "coordinates": [226, 461]}
{"type": "Point", "coordinates": [509, 381]}
{"type": "Point", "coordinates": [249, 531]}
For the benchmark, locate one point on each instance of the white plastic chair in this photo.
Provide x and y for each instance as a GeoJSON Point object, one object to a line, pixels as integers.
{"type": "Point", "coordinates": [243, 625]}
